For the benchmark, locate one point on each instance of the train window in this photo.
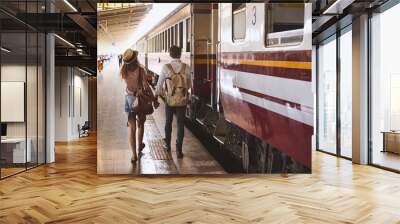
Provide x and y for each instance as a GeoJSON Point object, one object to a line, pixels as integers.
{"type": "Point", "coordinates": [169, 38]}
{"type": "Point", "coordinates": [158, 43]}
{"type": "Point", "coordinates": [165, 41]}
{"type": "Point", "coordinates": [238, 21]}
{"type": "Point", "coordinates": [161, 42]}
{"type": "Point", "coordinates": [188, 34]}
{"type": "Point", "coordinates": [172, 35]}
{"type": "Point", "coordinates": [181, 34]}
{"type": "Point", "coordinates": [151, 45]}
{"type": "Point", "coordinates": [155, 44]}
{"type": "Point", "coordinates": [284, 24]}
{"type": "Point", "coordinates": [176, 35]}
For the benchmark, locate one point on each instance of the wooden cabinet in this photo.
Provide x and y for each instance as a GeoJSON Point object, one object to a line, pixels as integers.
{"type": "Point", "coordinates": [391, 141]}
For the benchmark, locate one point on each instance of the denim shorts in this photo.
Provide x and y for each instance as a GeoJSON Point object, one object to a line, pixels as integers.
{"type": "Point", "coordinates": [129, 101]}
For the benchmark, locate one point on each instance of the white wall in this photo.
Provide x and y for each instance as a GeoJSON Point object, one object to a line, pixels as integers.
{"type": "Point", "coordinates": [33, 126]}
{"type": "Point", "coordinates": [12, 73]}
{"type": "Point", "coordinates": [69, 82]}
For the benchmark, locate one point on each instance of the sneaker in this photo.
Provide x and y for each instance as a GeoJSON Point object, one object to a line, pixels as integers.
{"type": "Point", "coordinates": [166, 146]}
{"type": "Point", "coordinates": [179, 154]}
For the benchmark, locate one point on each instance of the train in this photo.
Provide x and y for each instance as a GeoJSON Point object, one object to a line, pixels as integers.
{"type": "Point", "coordinates": [252, 82]}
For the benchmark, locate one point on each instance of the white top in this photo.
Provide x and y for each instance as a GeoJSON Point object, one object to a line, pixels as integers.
{"type": "Point", "coordinates": [176, 65]}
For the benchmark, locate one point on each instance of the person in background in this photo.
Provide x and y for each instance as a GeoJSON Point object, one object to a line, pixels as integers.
{"type": "Point", "coordinates": [120, 60]}
{"type": "Point", "coordinates": [175, 81]}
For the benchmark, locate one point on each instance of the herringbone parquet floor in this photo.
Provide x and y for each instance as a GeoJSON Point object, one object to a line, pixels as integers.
{"type": "Point", "coordinates": [70, 191]}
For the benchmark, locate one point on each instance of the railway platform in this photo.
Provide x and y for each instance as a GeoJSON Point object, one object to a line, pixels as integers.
{"type": "Point", "coordinates": [115, 153]}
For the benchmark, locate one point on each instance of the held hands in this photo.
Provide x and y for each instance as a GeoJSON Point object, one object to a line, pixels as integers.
{"type": "Point", "coordinates": [156, 104]}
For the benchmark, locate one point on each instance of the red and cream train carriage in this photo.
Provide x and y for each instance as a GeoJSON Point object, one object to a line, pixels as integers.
{"type": "Point", "coordinates": [251, 68]}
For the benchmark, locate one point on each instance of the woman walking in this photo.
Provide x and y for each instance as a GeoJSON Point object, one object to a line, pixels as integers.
{"type": "Point", "coordinates": [133, 73]}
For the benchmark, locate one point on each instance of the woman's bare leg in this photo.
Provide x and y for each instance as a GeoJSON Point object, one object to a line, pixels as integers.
{"type": "Point", "coordinates": [141, 121]}
{"type": "Point", "coordinates": [132, 138]}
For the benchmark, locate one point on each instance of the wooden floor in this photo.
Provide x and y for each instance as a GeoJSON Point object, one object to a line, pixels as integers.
{"type": "Point", "coordinates": [386, 159]}
{"type": "Point", "coordinates": [70, 191]}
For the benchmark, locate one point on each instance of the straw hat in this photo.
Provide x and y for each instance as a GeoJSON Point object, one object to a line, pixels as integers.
{"type": "Point", "coordinates": [129, 56]}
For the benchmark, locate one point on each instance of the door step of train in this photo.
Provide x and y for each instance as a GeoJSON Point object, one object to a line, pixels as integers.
{"type": "Point", "coordinates": [201, 113]}
{"type": "Point", "coordinates": [220, 129]}
{"type": "Point", "coordinates": [200, 121]}
{"type": "Point", "coordinates": [220, 139]}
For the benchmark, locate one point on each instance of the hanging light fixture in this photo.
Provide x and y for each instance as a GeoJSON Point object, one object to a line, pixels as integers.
{"type": "Point", "coordinates": [64, 40]}
{"type": "Point", "coordinates": [70, 5]}
{"type": "Point", "coordinates": [5, 50]}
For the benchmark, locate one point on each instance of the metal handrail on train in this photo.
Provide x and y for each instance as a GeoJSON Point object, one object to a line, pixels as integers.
{"type": "Point", "coordinates": [208, 58]}
{"type": "Point", "coordinates": [208, 61]}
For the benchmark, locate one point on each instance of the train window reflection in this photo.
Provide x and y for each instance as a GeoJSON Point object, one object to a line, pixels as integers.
{"type": "Point", "coordinates": [284, 24]}
{"type": "Point", "coordinates": [238, 21]}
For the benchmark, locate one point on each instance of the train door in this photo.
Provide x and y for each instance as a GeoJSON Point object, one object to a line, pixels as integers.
{"type": "Point", "coordinates": [213, 57]}
{"type": "Point", "coordinates": [201, 54]}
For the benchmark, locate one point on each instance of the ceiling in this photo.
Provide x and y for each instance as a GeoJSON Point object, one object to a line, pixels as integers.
{"type": "Point", "coordinates": [332, 15]}
{"type": "Point", "coordinates": [117, 21]}
{"type": "Point", "coordinates": [73, 22]}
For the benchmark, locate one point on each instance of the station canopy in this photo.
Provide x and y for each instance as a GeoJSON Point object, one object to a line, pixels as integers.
{"type": "Point", "coordinates": [117, 22]}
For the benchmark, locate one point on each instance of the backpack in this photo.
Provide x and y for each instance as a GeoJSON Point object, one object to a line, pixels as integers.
{"type": "Point", "coordinates": [176, 87]}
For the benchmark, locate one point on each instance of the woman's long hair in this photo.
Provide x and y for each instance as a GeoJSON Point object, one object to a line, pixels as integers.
{"type": "Point", "coordinates": [131, 67]}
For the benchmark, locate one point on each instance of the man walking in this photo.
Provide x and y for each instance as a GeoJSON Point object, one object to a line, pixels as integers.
{"type": "Point", "coordinates": [175, 81]}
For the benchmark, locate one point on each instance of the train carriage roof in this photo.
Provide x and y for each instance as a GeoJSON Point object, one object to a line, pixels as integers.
{"type": "Point", "coordinates": [183, 5]}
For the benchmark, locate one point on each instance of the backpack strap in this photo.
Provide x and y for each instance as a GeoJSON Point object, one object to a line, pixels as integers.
{"type": "Point", "coordinates": [183, 68]}
{"type": "Point", "coordinates": [169, 67]}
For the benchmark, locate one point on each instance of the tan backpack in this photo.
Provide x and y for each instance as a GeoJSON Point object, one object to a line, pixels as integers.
{"type": "Point", "coordinates": [176, 87]}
